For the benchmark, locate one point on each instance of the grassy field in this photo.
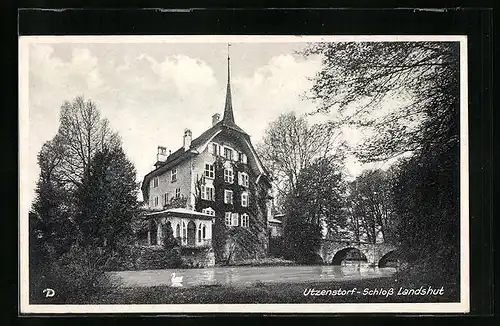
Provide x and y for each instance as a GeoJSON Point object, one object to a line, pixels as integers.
{"type": "Point", "coordinates": [277, 293]}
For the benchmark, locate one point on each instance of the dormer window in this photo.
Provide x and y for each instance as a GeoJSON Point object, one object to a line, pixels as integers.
{"type": "Point", "coordinates": [243, 158]}
{"type": "Point", "coordinates": [215, 149]}
{"type": "Point", "coordinates": [156, 181]}
{"type": "Point", "coordinates": [228, 153]}
{"type": "Point", "coordinates": [173, 175]}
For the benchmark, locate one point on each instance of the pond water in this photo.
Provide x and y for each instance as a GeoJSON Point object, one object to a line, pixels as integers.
{"type": "Point", "coordinates": [242, 276]}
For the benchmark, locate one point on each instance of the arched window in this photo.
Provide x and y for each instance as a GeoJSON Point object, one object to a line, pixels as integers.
{"type": "Point", "coordinates": [191, 234]}
{"type": "Point", "coordinates": [178, 231]}
{"type": "Point", "coordinates": [153, 232]}
{"type": "Point", "coordinates": [159, 236]}
{"type": "Point", "coordinates": [184, 231]}
{"type": "Point", "coordinates": [200, 232]}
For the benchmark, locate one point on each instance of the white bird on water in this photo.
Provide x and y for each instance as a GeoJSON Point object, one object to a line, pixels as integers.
{"type": "Point", "coordinates": [176, 280]}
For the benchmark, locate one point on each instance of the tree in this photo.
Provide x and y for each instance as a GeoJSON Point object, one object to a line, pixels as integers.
{"type": "Point", "coordinates": [290, 145]}
{"type": "Point", "coordinates": [85, 197]}
{"type": "Point", "coordinates": [51, 215]}
{"type": "Point", "coordinates": [429, 224]}
{"type": "Point", "coordinates": [355, 80]}
{"type": "Point", "coordinates": [371, 210]}
{"type": "Point", "coordinates": [171, 246]}
{"type": "Point", "coordinates": [315, 206]}
{"type": "Point", "coordinates": [64, 162]}
{"type": "Point", "coordinates": [107, 199]}
{"type": "Point", "coordinates": [82, 133]}
{"type": "Point", "coordinates": [364, 74]}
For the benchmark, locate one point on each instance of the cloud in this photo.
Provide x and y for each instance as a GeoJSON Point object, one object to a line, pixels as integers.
{"type": "Point", "coordinates": [274, 88]}
{"type": "Point", "coordinates": [150, 100]}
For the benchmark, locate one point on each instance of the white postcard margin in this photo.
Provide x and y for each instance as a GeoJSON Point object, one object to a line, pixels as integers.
{"type": "Point", "coordinates": [24, 205]}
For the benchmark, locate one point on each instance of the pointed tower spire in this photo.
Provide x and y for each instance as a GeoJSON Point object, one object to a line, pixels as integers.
{"type": "Point", "coordinates": [228, 109]}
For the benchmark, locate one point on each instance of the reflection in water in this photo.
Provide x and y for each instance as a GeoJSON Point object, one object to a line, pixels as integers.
{"type": "Point", "coordinates": [250, 275]}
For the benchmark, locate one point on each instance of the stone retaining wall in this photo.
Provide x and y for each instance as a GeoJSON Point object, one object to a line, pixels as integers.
{"type": "Point", "coordinates": [197, 258]}
{"type": "Point", "coordinates": [155, 257]}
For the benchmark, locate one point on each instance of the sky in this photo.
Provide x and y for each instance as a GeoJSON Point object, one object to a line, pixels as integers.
{"type": "Point", "coordinates": [151, 92]}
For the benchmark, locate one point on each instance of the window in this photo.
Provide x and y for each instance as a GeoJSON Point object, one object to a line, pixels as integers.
{"type": "Point", "coordinates": [228, 153]}
{"type": "Point", "coordinates": [178, 231]}
{"type": "Point", "coordinates": [243, 179]}
{"type": "Point", "coordinates": [207, 192]}
{"type": "Point", "coordinates": [177, 193]}
{"type": "Point", "coordinates": [204, 231]}
{"type": "Point", "coordinates": [244, 220]}
{"type": "Point", "coordinates": [199, 232]}
{"type": "Point", "coordinates": [228, 196]}
{"type": "Point", "coordinates": [173, 175]}
{"type": "Point", "coordinates": [208, 211]}
{"type": "Point", "coordinates": [159, 235]}
{"type": "Point", "coordinates": [227, 218]}
{"type": "Point", "coordinates": [234, 219]}
{"type": "Point", "coordinates": [228, 175]}
{"type": "Point", "coordinates": [165, 198]}
{"type": "Point", "coordinates": [203, 192]}
{"type": "Point", "coordinates": [156, 200]}
{"type": "Point", "coordinates": [155, 182]}
{"type": "Point", "coordinates": [215, 149]}
{"type": "Point", "coordinates": [243, 158]}
{"type": "Point", "coordinates": [209, 171]}
{"type": "Point", "coordinates": [244, 199]}
{"type": "Point", "coordinates": [184, 231]}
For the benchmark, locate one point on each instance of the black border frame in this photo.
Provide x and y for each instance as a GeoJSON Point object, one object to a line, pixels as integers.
{"type": "Point", "coordinates": [476, 23]}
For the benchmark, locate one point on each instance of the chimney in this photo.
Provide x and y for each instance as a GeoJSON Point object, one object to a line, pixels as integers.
{"type": "Point", "coordinates": [215, 119]}
{"type": "Point", "coordinates": [187, 139]}
{"type": "Point", "coordinates": [161, 155]}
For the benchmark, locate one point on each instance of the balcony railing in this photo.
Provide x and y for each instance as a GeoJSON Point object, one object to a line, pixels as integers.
{"type": "Point", "coordinates": [203, 243]}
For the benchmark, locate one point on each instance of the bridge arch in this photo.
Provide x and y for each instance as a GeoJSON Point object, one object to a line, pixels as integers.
{"type": "Point", "coordinates": [342, 254]}
{"type": "Point", "coordinates": [388, 257]}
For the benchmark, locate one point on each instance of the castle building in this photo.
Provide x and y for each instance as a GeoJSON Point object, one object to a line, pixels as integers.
{"type": "Point", "coordinates": [214, 191]}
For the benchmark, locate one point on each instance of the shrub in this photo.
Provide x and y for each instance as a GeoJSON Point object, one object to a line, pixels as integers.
{"type": "Point", "coordinates": [74, 277]}
{"type": "Point", "coordinates": [173, 257]}
{"type": "Point", "coordinates": [276, 246]}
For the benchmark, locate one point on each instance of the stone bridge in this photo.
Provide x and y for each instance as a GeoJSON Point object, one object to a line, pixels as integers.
{"type": "Point", "coordinates": [334, 251]}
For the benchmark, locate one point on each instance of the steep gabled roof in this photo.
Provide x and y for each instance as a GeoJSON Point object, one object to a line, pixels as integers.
{"type": "Point", "coordinates": [181, 154]}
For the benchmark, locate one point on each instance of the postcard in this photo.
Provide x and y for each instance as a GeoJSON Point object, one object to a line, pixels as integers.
{"type": "Point", "coordinates": [251, 174]}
